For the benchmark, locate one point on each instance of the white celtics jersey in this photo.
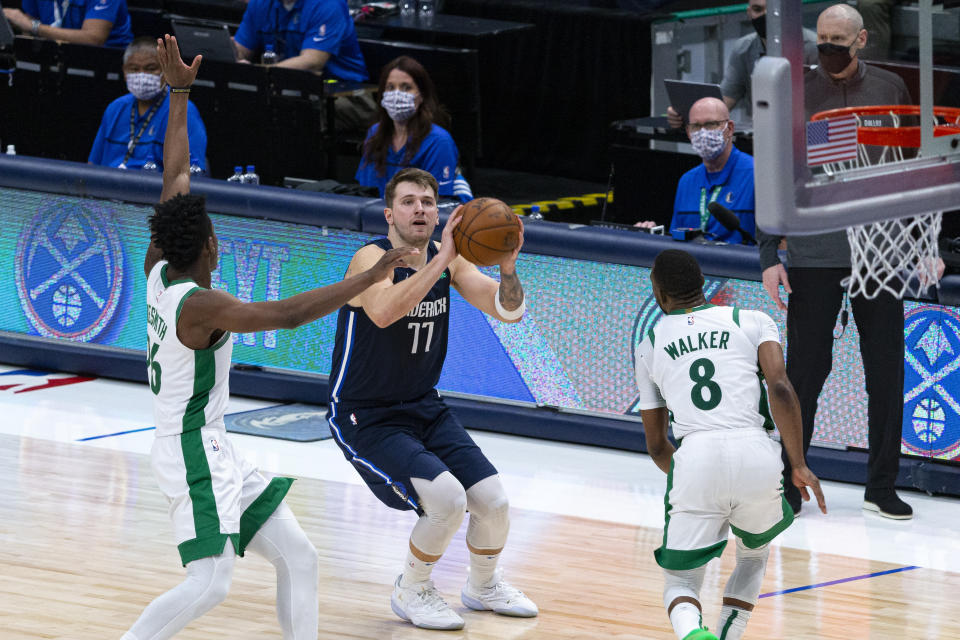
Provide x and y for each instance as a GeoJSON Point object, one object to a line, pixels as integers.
{"type": "Point", "coordinates": [701, 364]}
{"type": "Point", "coordinates": [190, 387]}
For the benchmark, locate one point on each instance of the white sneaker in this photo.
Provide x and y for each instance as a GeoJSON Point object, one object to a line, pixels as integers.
{"type": "Point", "coordinates": [421, 604]}
{"type": "Point", "coordinates": [500, 597]}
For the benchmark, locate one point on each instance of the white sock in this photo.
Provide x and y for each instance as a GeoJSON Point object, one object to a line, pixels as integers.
{"type": "Point", "coordinates": [733, 622]}
{"type": "Point", "coordinates": [482, 568]}
{"type": "Point", "coordinates": [685, 618]}
{"type": "Point", "coordinates": [415, 570]}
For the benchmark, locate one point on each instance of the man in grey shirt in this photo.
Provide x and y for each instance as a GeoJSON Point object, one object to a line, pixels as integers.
{"type": "Point", "coordinates": [744, 53]}
{"type": "Point", "coordinates": [818, 264]}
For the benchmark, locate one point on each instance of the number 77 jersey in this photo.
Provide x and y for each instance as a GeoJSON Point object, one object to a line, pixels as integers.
{"type": "Point", "coordinates": [190, 386]}
{"type": "Point", "coordinates": [701, 364]}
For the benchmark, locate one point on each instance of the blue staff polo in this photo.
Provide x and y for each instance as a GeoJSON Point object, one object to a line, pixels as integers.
{"type": "Point", "coordinates": [437, 154]}
{"type": "Point", "coordinates": [732, 187]}
{"type": "Point", "coordinates": [74, 12]}
{"type": "Point", "coordinates": [110, 145]}
{"type": "Point", "coordinates": [325, 25]}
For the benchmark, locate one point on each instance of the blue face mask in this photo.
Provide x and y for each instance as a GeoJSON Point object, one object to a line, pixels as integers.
{"type": "Point", "coordinates": [399, 105]}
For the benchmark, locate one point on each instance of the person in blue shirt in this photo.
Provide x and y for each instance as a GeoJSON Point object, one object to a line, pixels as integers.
{"type": "Point", "coordinates": [94, 22]}
{"type": "Point", "coordinates": [726, 176]}
{"type": "Point", "coordinates": [316, 35]}
{"type": "Point", "coordinates": [133, 126]}
{"type": "Point", "coordinates": [407, 133]}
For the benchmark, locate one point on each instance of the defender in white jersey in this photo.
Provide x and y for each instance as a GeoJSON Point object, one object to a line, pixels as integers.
{"type": "Point", "coordinates": [220, 505]}
{"type": "Point", "coordinates": [705, 366]}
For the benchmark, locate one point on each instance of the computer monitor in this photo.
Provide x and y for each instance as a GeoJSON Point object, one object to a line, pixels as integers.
{"type": "Point", "coordinates": [208, 39]}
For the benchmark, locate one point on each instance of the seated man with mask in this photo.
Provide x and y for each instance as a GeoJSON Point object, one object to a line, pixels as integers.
{"type": "Point", "coordinates": [133, 126]}
{"type": "Point", "coordinates": [726, 176]}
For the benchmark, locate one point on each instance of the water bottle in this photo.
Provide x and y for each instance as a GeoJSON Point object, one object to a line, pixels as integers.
{"type": "Point", "coordinates": [195, 170]}
{"type": "Point", "coordinates": [269, 55]}
{"type": "Point", "coordinates": [237, 175]}
{"type": "Point", "coordinates": [426, 8]}
{"type": "Point", "coordinates": [151, 166]}
{"type": "Point", "coordinates": [408, 8]}
{"type": "Point", "coordinates": [11, 150]}
{"type": "Point", "coordinates": [535, 212]}
{"type": "Point", "coordinates": [250, 177]}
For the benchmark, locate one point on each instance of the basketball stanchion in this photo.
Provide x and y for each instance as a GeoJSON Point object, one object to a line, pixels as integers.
{"type": "Point", "coordinates": [900, 255]}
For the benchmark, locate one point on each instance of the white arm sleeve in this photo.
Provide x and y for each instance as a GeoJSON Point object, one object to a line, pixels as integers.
{"type": "Point", "coordinates": [760, 327]}
{"type": "Point", "coordinates": [650, 397]}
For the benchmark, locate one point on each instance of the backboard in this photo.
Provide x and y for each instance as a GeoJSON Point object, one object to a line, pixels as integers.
{"type": "Point", "coordinates": [795, 198]}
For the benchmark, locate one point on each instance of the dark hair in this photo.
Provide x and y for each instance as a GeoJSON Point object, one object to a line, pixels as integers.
{"type": "Point", "coordinates": [677, 274]}
{"type": "Point", "coordinates": [410, 174]}
{"type": "Point", "coordinates": [429, 113]}
{"type": "Point", "coordinates": [179, 227]}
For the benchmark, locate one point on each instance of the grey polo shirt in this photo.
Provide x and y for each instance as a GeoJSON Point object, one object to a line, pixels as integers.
{"type": "Point", "coordinates": [743, 58]}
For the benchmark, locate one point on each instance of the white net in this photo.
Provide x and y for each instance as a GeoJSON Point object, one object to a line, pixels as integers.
{"type": "Point", "coordinates": [899, 256]}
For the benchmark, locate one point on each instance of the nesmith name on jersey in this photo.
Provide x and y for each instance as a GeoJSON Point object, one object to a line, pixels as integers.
{"type": "Point", "coordinates": [155, 321]}
{"type": "Point", "coordinates": [429, 309]}
{"type": "Point", "coordinates": [704, 340]}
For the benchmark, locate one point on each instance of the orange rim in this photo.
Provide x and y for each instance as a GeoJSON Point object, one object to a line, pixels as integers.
{"type": "Point", "coordinates": [908, 136]}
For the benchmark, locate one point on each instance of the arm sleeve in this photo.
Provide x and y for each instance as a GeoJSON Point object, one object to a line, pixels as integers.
{"type": "Point", "coordinates": [768, 243]}
{"type": "Point", "coordinates": [30, 8]}
{"type": "Point", "coordinates": [246, 34]}
{"type": "Point", "coordinates": [103, 10]}
{"type": "Point", "coordinates": [326, 28]}
{"type": "Point", "coordinates": [96, 152]}
{"type": "Point", "coordinates": [676, 202]}
{"type": "Point", "coordinates": [197, 135]}
{"type": "Point", "coordinates": [762, 328]}
{"type": "Point", "coordinates": [735, 75]}
{"type": "Point", "coordinates": [650, 397]}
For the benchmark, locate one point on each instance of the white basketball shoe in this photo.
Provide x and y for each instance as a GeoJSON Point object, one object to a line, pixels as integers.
{"type": "Point", "coordinates": [421, 604]}
{"type": "Point", "coordinates": [500, 597]}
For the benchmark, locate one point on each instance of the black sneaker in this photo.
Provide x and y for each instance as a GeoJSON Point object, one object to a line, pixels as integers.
{"type": "Point", "coordinates": [887, 504]}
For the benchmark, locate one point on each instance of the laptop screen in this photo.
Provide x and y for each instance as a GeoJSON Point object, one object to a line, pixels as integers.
{"type": "Point", "coordinates": [212, 41]}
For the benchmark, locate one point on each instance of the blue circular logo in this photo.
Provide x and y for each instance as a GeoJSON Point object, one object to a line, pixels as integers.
{"type": "Point", "coordinates": [69, 271]}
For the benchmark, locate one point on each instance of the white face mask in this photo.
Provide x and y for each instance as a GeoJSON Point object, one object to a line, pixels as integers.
{"type": "Point", "coordinates": [144, 86]}
{"type": "Point", "coordinates": [709, 144]}
{"type": "Point", "coordinates": [399, 105]}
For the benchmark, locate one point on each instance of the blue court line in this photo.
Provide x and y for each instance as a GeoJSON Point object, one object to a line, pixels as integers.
{"type": "Point", "coordinates": [118, 433]}
{"type": "Point", "coordinates": [841, 581]}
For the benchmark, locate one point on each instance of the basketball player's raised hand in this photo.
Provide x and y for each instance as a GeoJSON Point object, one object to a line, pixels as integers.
{"type": "Point", "coordinates": [175, 72]}
{"type": "Point", "coordinates": [390, 260]}
{"type": "Point", "coordinates": [803, 478]}
{"type": "Point", "coordinates": [511, 259]}
{"type": "Point", "coordinates": [447, 246]}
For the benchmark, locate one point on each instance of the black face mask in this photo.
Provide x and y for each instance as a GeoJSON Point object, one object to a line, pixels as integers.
{"type": "Point", "coordinates": [834, 57]}
{"type": "Point", "coordinates": [760, 25]}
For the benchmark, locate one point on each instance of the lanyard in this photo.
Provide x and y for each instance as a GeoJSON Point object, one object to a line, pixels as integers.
{"type": "Point", "coordinates": [704, 212]}
{"type": "Point", "coordinates": [146, 123]}
{"type": "Point", "coordinates": [58, 13]}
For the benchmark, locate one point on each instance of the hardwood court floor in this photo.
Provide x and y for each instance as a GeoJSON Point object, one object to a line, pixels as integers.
{"type": "Point", "coordinates": [85, 544]}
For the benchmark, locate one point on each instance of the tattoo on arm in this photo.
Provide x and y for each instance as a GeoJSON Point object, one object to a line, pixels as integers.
{"type": "Point", "coordinates": [511, 292]}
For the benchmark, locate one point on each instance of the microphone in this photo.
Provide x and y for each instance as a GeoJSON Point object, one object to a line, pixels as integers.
{"type": "Point", "coordinates": [729, 220]}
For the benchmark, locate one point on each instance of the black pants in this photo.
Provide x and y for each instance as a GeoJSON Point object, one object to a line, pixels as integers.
{"type": "Point", "coordinates": [811, 316]}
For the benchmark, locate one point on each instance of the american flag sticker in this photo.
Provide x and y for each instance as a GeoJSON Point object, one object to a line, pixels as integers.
{"type": "Point", "coordinates": [831, 140]}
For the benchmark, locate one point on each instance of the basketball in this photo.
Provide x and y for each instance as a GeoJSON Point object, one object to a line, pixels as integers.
{"type": "Point", "coordinates": [488, 232]}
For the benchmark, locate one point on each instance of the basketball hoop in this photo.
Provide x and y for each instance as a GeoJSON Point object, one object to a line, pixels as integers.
{"type": "Point", "coordinates": [899, 255]}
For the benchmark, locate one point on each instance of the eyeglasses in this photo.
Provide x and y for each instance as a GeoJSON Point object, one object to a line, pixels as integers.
{"type": "Point", "coordinates": [712, 125]}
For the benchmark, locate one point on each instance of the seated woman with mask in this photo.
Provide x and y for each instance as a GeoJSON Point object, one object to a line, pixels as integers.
{"type": "Point", "coordinates": [407, 133]}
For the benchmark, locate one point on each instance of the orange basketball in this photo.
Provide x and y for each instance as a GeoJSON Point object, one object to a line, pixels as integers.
{"type": "Point", "coordinates": [488, 232]}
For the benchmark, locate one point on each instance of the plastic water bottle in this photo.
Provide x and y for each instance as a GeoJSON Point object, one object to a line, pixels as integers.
{"type": "Point", "coordinates": [426, 8]}
{"type": "Point", "coordinates": [535, 212]}
{"type": "Point", "coordinates": [408, 8]}
{"type": "Point", "coordinates": [11, 150]}
{"type": "Point", "coordinates": [250, 177]}
{"type": "Point", "coordinates": [195, 170]}
{"type": "Point", "coordinates": [150, 166]}
{"type": "Point", "coordinates": [237, 175]}
{"type": "Point", "coordinates": [269, 55]}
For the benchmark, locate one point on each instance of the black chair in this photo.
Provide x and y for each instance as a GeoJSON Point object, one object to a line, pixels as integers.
{"type": "Point", "coordinates": [96, 74]}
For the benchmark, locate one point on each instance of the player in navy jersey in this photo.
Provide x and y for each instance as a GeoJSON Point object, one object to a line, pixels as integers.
{"type": "Point", "coordinates": [391, 423]}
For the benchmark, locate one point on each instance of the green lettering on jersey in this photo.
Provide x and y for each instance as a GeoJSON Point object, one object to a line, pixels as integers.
{"type": "Point", "coordinates": [724, 337]}
{"type": "Point", "coordinates": [671, 350]}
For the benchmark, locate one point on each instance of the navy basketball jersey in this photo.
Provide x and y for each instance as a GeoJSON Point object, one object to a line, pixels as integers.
{"type": "Point", "coordinates": [374, 366]}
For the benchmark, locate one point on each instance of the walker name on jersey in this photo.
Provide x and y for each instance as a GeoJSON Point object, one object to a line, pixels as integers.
{"type": "Point", "coordinates": [704, 340]}
{"type": "Point", "coordinates": [253, 262]}
{"type": "Point", "coordinates": [429, 309]}
{"type": "Point", "coordinates": [155, 321]}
